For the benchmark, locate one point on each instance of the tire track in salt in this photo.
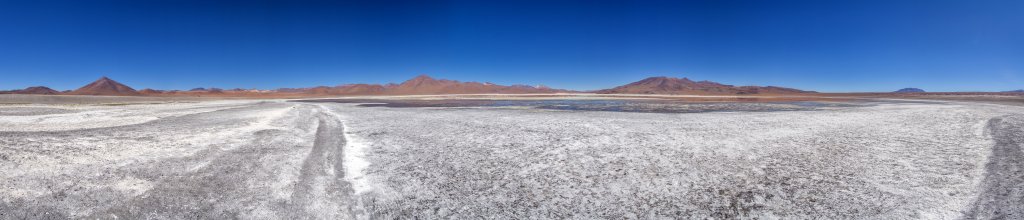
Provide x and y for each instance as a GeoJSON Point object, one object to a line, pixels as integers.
{"type": "Point", "coordinates": [1002, 190]}
{"type": "Point", "coordinates": [348, 163]}
{"type": "Point", "coordinates": [320, 191]}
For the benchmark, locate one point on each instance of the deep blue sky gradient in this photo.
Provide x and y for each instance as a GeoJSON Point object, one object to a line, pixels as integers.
{"type": "Point", "coordinates": [833, 46]}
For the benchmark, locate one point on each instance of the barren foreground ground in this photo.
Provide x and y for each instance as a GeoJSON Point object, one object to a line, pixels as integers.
{"type": "Point", "coordinates": [325, 160]}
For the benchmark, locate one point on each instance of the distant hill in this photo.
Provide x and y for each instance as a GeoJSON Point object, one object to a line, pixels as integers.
{"type": "Point", "coordinates": [909, 90]}
{"type": "Point", "coordinates": [684, 86]}
{"type": "Point", "coordinates": [105, 86]}
{"type": "Point", "coordinates": [40, 90]}
{"type": "Point", "coordinates": [1017, 91]}
{"type": "Point", "coordinates": [35, 90]}
{"type": "Point", "coordinates": [150, 92]}
{"type": "Point", "coordinates": [348, 89]}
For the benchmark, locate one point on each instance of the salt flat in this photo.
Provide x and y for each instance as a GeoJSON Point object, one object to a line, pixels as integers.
{"type": "Point", "coordinates": [322, 160]}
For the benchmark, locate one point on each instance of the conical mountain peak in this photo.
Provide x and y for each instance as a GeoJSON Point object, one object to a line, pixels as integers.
{"type": "Point", "coordinates": [105, 86]}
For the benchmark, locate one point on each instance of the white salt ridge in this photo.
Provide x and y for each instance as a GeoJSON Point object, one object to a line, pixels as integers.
{"type": "Point", "coordinates": [355, 157]}
{"type": "Point", "coordinates": [355, 162]}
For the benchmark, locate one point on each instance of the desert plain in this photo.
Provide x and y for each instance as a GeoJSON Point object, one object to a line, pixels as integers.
{"type": "Point", "coordinates": [574, 156]}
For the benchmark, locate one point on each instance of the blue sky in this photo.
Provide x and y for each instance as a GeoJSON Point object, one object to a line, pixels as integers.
{"type": "Point", "coordinates": [832, 46]}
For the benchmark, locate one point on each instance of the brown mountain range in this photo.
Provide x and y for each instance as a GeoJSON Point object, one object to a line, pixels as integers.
{"type": "Point", "coordinates": [105, 86]}
{"type": "Point", "coordinates": [425, 85]}
{"type": "Point", "coordinates": [684, 86]}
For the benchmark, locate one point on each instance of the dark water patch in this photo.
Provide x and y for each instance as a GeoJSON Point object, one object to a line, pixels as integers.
{"type": "Point", "coordinates": [688, 107]}
{"type": "Point", "coordinates": [679, 107]}
{"type": "Point", "coordinates": [616, 105]}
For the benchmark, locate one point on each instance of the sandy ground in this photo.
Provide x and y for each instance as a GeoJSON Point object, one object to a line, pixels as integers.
{"type": "Point", "coordinates": [257, 159]}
